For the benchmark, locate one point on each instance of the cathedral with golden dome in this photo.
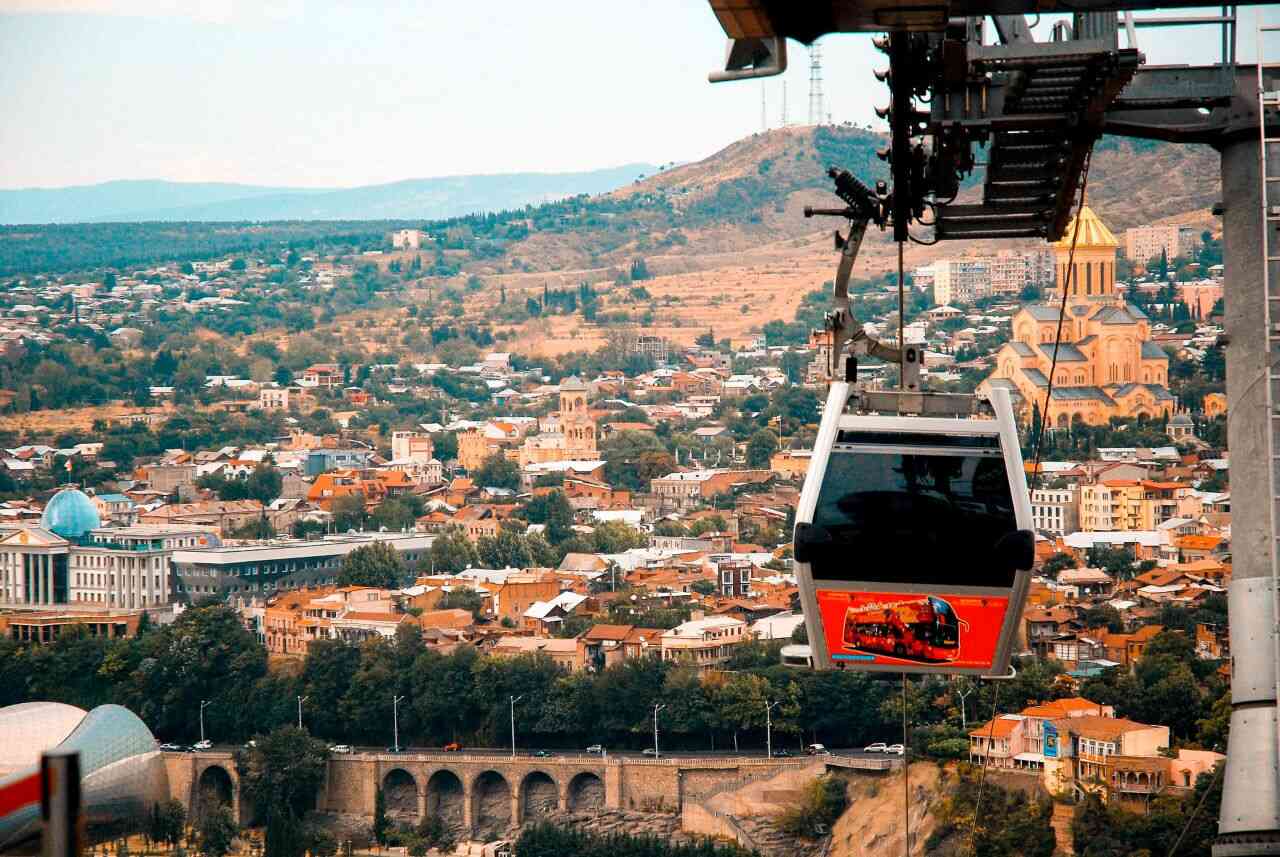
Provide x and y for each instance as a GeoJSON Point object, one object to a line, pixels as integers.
{"type": "Point", "coordinates": [1107, 364]}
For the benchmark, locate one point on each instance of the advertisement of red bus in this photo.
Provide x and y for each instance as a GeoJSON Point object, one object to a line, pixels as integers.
{"type": "Point", "coordinates": [912, 629]}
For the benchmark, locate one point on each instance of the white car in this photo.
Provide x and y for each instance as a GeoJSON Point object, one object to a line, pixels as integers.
{"type": "Point", "coordinates": [171, 748]}
{"type": "Point", "coordinates": [896, 750]}
{"type": "Point", "coordinates": [340, 748]}
{"type": "Point", "coordinates": [202, 745]}
{"type": "Point", "coordinates": [878, 747]}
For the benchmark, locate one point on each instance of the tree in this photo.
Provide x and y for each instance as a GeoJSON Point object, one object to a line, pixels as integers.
{"type": "Point", "coordinates": [263, 484]}
{"type": "Point", "coordinates": [217, 832]}
{"type": "Point", "coordinates": [348, 512]}
{"type": "Point", "coordinates": [452, 552]}
{"type": "Point", "coordinates": [280, 777]}
{"type": "Point", "coordinates": [377, 564]}
{"type": "Point", "coordinates": [823, 800]}
{"type": "Point", "coordinates": [761, 448]}
{"type": "Point", "coordinates": [616, 537]}
{"type": "Point", "coordinates": [498, 471]}
{"type": "Point", "coordinates": [505, 550]}
{"type": "Point", "coordinates": [1058, 562]}
{"type": "Point", "coordinates": [553, 510]}
{"type": "Point", "coordinates": [168, 820]}
{"type": "Point", "coordinates": [380, 822]}
{"type": "Point", "coordinates": [463, 599]}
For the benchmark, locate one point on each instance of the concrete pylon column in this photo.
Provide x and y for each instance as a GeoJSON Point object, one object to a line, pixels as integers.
{"type": "Point", "coordinates": [562, 797]}
{"type": "Point", "coordinates": [516, 801]}
{"type": "Point", "coordinates": [1249, 821]}
{"type": "Point", "coordinates": [468, 811]}
{"type": "Point", "coordinates": [422, 803]}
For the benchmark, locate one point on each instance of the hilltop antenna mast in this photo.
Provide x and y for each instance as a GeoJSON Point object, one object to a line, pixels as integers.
{"type": "Point", "coordinates": [764, 115]}
{"type": "Point", "coordinates": [815, 84]}
{"type": "Point", "coordinates": [784, 104]}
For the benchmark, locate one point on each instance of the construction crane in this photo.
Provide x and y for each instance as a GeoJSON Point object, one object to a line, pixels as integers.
{"type": "Point", "coordinates": [1036, 108]}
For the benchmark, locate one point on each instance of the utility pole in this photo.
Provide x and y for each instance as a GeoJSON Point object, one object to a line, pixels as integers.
{"type": "Point", "coordinates": [301, 699]}
{"type": "Point", "coordinates": [514, 700]}
{"type": "Point", "coordinates": [204, 703]}
{"type": "Point", "coordinates": [768, 726]}
{"type": "Point", "coordinates": [395, 720]}
{"type": "Point", "coordinates": [784, 104]}
{"type": "Point", "coordinates": [656, 708]}
{"type": "Point", "coordinates": [764, 115]}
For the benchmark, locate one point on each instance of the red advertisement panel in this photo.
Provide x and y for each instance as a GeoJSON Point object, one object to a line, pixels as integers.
{"type": "Point", "coordinates": [902, 629]}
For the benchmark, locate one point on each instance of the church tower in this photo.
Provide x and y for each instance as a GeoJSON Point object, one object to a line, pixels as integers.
{"type": "Point", "coordinates": [1094, 277]}
{"type": "Point", "coordinates": [575, 420]}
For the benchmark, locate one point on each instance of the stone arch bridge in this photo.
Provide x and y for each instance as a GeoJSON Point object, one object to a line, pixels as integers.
{"type": "Point", "coordinates": [480, 793]}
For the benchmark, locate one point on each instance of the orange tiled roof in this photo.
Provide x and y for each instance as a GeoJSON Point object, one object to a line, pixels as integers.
{"type": "Point", "coordinates": [1003, 728]}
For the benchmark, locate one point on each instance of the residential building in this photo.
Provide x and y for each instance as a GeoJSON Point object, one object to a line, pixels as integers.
{"type": "Point", "coordinates": [412, 446]}
{"type": "Point", "coordinates": [169, 478]}
{"type": "Point", "coordinates": [1144, 243]}
{"type": "Point", "coordinates": [1056, 511]}
{"type": "Point", "coordinates": [686, 490]}
{"type": "Point", "coordinates": [322, 460]}
{"type": "Point", "coordinates": [408, 239]}
{"type": "Point", "coordinates": [604, 646]}
{"type": "Point", "coordinates": [704, 641]}
{"type": "Point", "coordinates": [282, 398]}
{"type": "Point", "coordinates": [653, 347]}
{"type": "Point", "coordinates": [222, 515]}
{"type": "Point", "coordinates": [733, 577]}
{"type": "Point", "coordinates": [960, 281]}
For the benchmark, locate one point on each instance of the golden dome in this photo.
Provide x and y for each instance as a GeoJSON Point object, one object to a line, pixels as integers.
{"type": "Point", "coordinates": [1093, 232]}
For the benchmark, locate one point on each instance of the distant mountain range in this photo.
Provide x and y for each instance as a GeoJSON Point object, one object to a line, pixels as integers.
{"type": "Point", "coordinates": [412, 199]}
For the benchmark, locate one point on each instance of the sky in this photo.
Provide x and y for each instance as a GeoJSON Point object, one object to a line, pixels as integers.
{"type": "Point", "coordinates": [326, 93]}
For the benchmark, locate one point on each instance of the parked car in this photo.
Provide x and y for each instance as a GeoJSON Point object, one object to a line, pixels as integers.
{"type": "Point", "coordinates": [896, 749]}
{"type": "Point", "coordinates": [648, 751]}
{"type": "Point", "coordinates": [251, 743]}
{"type": "Point", "coordinates": [395, 749]}
{"type": "Point", "coordinates": [202, 745]}
{"type": "Point", "coordinates": [541, 754]}
{"type": "Point", "coordinates": [878, 747]}
{"type": "Point", "coordinates": [782, 753]}
{"type": "Point", "coordinates": [340, 748]}
{"type": "Point", "coordinates": [816, 750]}
{"type": "Point", "coordinates": [452, 747]}
{"type": "Point", "coordinates": [171, 748]}
{"type": "Point", "coordinates": [597, 749]}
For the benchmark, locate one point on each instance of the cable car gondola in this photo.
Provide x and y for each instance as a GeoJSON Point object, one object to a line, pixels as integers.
{"type": "Point", "coordinates": [913, 540]}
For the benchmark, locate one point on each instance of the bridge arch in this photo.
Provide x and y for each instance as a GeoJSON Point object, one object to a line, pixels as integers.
{"type": "Point", "coordinates": [215, 787]}
{"type": "Point", "coordinates": [586, 793]}
{"type": "Point", "coordinates": [490, 805]}
{"type": "Point", "coordinates": [539, 796]}
{"type": "Point", "coordinates": [446, 799]}
{"type": "Point", "coordinates": [400, 792]}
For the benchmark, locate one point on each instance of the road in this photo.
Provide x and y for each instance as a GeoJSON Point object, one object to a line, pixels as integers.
{"type": "Point", "coordinates": [499, 752]}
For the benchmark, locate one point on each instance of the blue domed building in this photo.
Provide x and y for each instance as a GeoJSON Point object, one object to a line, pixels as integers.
{"type": "Point", "coordinates": [70, 514]}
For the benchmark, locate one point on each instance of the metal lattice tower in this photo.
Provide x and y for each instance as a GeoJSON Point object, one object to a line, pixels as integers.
{"type": "Point", "coordinates": [764, 115]}
{"type": "Point", "coordinates": [816, 113]}
{"type": "Point", "coordinates": [785, 122]}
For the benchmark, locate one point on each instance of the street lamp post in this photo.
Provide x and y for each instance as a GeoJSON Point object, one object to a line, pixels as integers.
{"type": "Point", "coordinates": [964, 720]}
{"type": "Point", "coordinates": [514, 700]}
{"type": "Point", "coordinates": [395, 720]}
{"type": "Point", "coordinates": [656, 708]}
{"type": "Point", "coordinates": [204, 703]}
{"type": "Point", "coordinates": [301, 699]}
{"type": "Point", "coordinates": [768, 726]}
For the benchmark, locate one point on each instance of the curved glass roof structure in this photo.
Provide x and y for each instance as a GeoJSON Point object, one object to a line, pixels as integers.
{"type": "Point", "coordinates": [31, 728]}
{"type": "Point", "coordinates": [70, 514]}
{"type": "Point", "coordinates": [121, 769]}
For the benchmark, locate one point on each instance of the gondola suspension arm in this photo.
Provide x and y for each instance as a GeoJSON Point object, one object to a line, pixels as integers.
{"type": "Point", "coordinates": [862, 208]}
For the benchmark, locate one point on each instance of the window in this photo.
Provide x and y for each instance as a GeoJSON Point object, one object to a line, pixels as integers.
{"type": "Point", "coordinates": [896, 517]}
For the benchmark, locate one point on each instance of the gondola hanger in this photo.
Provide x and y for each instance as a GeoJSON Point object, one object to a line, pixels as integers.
{"type": "Point", "coordinates": [913, 542]}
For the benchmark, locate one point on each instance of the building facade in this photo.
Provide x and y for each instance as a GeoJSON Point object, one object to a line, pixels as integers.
{"type": "Point", "coordinates": [1144, 243]}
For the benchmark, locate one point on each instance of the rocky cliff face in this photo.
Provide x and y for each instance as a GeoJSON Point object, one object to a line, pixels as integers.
{"type": "Point", "coordinates": [873, 825]}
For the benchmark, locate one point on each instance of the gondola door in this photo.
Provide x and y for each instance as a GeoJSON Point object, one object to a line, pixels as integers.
{"type": "Point", "coordinates": [913, 541]}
